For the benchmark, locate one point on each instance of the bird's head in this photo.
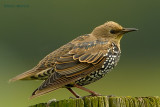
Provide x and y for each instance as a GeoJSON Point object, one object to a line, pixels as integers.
{"type": "Point", "coordinates": [111, 31]}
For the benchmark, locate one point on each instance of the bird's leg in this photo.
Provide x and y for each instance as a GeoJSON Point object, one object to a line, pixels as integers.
{"type": "Point", "coordinates": [85, 89]}
{"type": "Point", "coordinates": [74, 93]}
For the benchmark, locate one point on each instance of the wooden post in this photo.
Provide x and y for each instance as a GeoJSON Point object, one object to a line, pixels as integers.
{"type": "Point", "coordinates": [104, 101]}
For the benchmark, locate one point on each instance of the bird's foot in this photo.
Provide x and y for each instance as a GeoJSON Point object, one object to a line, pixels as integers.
{"type": "Point", "coordinates": [50, 101]}
{"type": "Point", "coordinates": [95, 94]}
{"type": "Point", "coordinates": [75, 97]}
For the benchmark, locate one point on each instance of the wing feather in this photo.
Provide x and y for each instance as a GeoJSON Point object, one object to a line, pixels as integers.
{"type": "Point", "coordinates": [77, 63]}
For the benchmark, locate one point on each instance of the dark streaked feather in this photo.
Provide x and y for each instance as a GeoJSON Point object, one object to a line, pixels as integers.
{"type": "Point", "coordinates": [77, 56]}
{"type": "Point", "coordinates": [81, 60]}
{"type": "Point", "coordinates": [84, 57]}
{"type": "Point", "coordinates": [62, 66]}
{"type": "Point", "coordinates": [57, 80]}
{"type": "Point", "coordinates": [63, 59]}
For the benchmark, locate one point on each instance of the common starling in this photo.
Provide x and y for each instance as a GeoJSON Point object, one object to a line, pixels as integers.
{"type": "Point", "coordinates": [82, 61]}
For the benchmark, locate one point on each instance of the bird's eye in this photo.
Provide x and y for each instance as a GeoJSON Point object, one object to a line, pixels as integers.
{"type": "Point", "coordinates": [113, 31]}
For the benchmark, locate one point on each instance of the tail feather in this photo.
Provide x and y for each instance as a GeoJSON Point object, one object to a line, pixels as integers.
{"type": "Point", "coordinates": [24, 76]}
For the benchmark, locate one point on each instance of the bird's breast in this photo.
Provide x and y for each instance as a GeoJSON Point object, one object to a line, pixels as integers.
{"type": "Point", "coordinates": [112, 57]}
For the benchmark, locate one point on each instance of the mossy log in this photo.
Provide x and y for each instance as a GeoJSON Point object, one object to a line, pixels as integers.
{"type": "Point", "coordinates": [104, 101]}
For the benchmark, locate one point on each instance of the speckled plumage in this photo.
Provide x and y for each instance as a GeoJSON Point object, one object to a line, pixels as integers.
{"type": "Point", "coordinates": [82, 61]}
{"type": "Point", "coordinates": [111, 59]}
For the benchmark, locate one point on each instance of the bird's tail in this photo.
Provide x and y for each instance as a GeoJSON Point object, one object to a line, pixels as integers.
{"type": "Point", "coordinates": [24, 76]}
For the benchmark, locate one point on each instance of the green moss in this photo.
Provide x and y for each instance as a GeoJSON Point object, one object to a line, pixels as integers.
{"type": "Point", "coordinates": [104, 101]}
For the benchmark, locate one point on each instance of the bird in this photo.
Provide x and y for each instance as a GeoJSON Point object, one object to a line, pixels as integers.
{"type": "Point", "coordinates": [80, 62]}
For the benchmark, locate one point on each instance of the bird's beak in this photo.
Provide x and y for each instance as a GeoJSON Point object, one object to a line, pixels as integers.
{"type": "Point", "coordinates": [126, 30]}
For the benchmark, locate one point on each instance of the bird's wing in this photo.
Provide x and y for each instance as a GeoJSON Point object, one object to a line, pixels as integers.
{"type": "Point", "coordinates": [45, 66]}
{"type": "Point", "coordinates": [82, 56]}
{"type": "Point", "coordinates": [80, 61]}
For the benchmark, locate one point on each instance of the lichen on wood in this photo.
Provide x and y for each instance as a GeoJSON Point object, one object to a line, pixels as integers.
{"type": "Point", "coordinates": [104, 101]}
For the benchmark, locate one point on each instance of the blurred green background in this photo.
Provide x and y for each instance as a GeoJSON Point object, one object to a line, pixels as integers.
{"type": "Point", "coordinates": [30, 29]}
